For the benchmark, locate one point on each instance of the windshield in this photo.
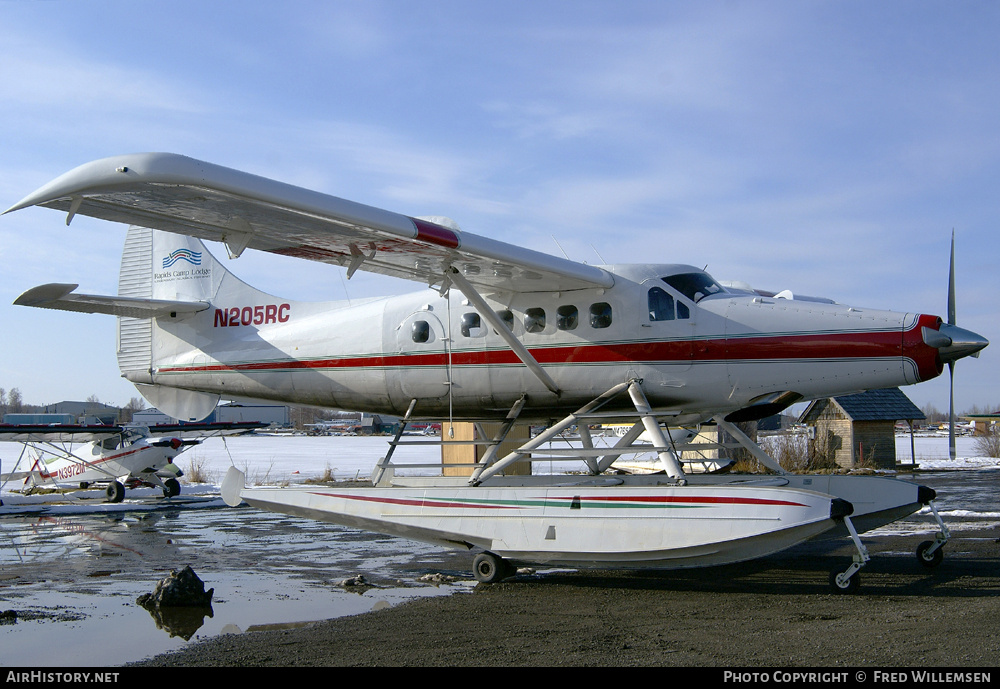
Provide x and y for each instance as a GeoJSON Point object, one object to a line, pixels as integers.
{"type": "Point", "coordinates": [694, 286]}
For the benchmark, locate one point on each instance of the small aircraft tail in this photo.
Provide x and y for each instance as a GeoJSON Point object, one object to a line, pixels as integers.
{"type": "Point", "coordinates": [159, 266]}
{"type": "Point", "coordinates": [174, 301]}
{"type": "Point", "coordinates": [168, 268]}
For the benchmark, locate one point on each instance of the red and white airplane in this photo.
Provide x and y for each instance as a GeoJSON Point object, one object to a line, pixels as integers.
{"type": "Point", "coordinates": [116, 457]}
{"type": "Point", "coordinates": [528, 338]}
{"type": "Point", "coordinates": [113, 456]}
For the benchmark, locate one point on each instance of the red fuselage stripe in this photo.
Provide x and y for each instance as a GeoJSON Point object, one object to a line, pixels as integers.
{"type": "Point", "coordinates": [856, 345]}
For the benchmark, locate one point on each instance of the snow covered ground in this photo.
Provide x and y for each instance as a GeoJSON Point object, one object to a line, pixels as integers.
{"type": "Point", "coordinates": [284, 459]}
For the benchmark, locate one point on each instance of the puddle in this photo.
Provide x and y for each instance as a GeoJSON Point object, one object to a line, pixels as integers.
{"type": "Point", "coordinates": [72, 582]}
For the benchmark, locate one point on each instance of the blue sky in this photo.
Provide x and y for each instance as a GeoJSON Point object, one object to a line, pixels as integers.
{"type": "Point", "coordinates": [825, 147]}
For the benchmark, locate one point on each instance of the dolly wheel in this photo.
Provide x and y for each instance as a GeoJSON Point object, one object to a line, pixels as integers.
{"type": "Point", "coordinates": [929, 559]}
{"type": "Point", "coordinates": [841, 584]}
{"type": "Point", "coordinates": [490, 568]}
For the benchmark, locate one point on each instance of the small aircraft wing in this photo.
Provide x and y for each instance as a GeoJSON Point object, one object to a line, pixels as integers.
{"type": "Point", "coordinates": [179, 194]}
{"type": "Point", "coordinates": [205, 430]}
{"type": "Point", "coordinates": [62, 297]}
{"type": "Point", "coordinates": [41, 433]}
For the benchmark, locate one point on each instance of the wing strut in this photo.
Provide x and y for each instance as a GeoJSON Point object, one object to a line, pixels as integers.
{"type": "Point", "coordinates": [387, 460]}
{"type": "Point", "coordinates": [667, 457]}
{"type": "Point", "coordinates": [490, 315]}
{"type": "Point", "coordinates": [749, 445]}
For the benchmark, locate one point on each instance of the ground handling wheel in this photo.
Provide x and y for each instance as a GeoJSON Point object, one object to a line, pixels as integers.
{"type": "Point", "coordinates": [490, 568]}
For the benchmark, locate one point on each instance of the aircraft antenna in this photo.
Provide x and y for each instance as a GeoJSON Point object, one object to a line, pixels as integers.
{"type": "Point", "coordinates": [598, 254]}
{"type": "Point", "coordinates": [565, 255]}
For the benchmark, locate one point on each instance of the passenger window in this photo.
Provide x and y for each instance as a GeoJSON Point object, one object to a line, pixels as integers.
{"type": "Point", "coordinates": [420, 331]}
{"type": "Point", "coordinates": [661, 305]}
{"type": "Point", "coordinates": [534, 320]}
{"type": "Point", "coordinates": [471, 325]}
{"type": "Point", "coordinates": [567, 317]}
{"type": "Point", "coordinates": [600, 315]}
{"type": "Point", "coordinates": [508, 318]}
{"type": "Point", "coordinates": [682, 310]}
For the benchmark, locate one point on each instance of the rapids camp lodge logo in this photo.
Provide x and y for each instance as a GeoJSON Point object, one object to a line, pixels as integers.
{"type": "Point", "coordinates": [192, 257]}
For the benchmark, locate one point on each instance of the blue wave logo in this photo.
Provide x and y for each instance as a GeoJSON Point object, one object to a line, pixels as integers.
{"type": "Point", "coordinates": [192, 257]}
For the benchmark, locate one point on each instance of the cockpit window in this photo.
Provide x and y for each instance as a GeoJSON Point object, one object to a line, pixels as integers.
{"type": "Point", "coordinates": [694, 286]}
{"type": "Point", "coordinates": [661, 305]}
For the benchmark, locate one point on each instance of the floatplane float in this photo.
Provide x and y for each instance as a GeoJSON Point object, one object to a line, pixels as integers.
{"type": "Point", "coordinates": [502, 334]}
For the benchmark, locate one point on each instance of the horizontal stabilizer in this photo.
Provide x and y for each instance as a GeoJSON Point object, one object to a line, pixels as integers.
{"type": "Point", "coordinates": [63, 298]}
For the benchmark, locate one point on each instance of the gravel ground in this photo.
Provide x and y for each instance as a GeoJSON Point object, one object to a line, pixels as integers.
{"type": "Point", "coordinates": [775, 612]}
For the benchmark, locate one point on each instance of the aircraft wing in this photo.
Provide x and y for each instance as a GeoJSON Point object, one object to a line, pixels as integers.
{"type": "Point", "coordinates": [178, 194]}
{"type": "Point", "coordinates": [38, 433]}
{"type": "Point", "coordinates": [206, 430]}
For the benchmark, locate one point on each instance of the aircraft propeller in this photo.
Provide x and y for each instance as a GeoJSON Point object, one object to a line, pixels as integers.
{"type": "Point", "coordinates": [953, 343]}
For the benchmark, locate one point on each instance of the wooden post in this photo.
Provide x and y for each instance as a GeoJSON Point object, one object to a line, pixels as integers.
{"type": "Point", "coordinates": [460, 450]}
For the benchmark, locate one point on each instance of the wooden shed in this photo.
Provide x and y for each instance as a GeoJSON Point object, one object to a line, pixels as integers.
{"type": "Point", "coordinates": [856, 430]}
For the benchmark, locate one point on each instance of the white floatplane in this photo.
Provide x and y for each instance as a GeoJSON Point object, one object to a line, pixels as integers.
{"type": "Point", "coordinates": [531, 338]}
{"type": "Point", "coordinates": [117, 457]}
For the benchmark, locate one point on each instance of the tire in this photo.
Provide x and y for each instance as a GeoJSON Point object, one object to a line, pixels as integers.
{"type": "Point", "coordinates": [171, 488]}
{"type": "Point", "coordinates": [115, 492]}
{"type": "Point", "coordinates": [931, 560]}
{"type": "Point", "coordinates": [851, 586]}
{"type": "Point", "coordinates": [489, 568]}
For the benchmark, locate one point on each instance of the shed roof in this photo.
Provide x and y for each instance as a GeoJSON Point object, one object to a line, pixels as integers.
{"type": "Point", "coordinates": [888, 404]}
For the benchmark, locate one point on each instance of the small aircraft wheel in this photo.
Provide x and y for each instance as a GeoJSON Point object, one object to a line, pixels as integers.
{"type": "Point", "coordinates": [929, 559]}
{"type": "Point", "coordinates": [839, 585]}
{"type": "Point", "coordinates": [490, 568]}
{"type": "Point", "coordinates": [171, 488]}
{"type": "Point", "coordinates": [115, 492]}
{"type": "Point", "coordinates": [84, 485]}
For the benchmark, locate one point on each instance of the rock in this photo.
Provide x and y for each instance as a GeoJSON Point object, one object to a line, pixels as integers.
{"type": "Point", "coordinates": [356, 580]}
{"type": "Point", "coordinates": [437, 578]}
{"type": "Point", "coordinates": [181, 589]}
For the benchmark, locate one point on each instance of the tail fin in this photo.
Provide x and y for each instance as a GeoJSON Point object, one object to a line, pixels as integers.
{"type": "Point", "coordinates": [171, 268]}
{"type": "Point", "coordinates": [179, 312]}
{"type": "Point", "coordinates": [168, 267]}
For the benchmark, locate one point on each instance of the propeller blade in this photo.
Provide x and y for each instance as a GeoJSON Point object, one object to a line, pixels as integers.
{"type": "Point", "coordinates": [951, 283]}
{"type": "Point", "coordinates": [951, 410]}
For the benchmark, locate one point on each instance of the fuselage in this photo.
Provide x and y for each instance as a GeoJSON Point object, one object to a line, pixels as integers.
{"type": "Point", "coordinates": [698, 348]}
{"type": "Point", "coordinates": [109, 459]}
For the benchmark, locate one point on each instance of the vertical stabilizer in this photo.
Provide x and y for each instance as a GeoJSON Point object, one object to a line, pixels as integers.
{"type": "Point", "coordinates": [135, 358]}
{"type": "Point", "coordinates": [159, 265]}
